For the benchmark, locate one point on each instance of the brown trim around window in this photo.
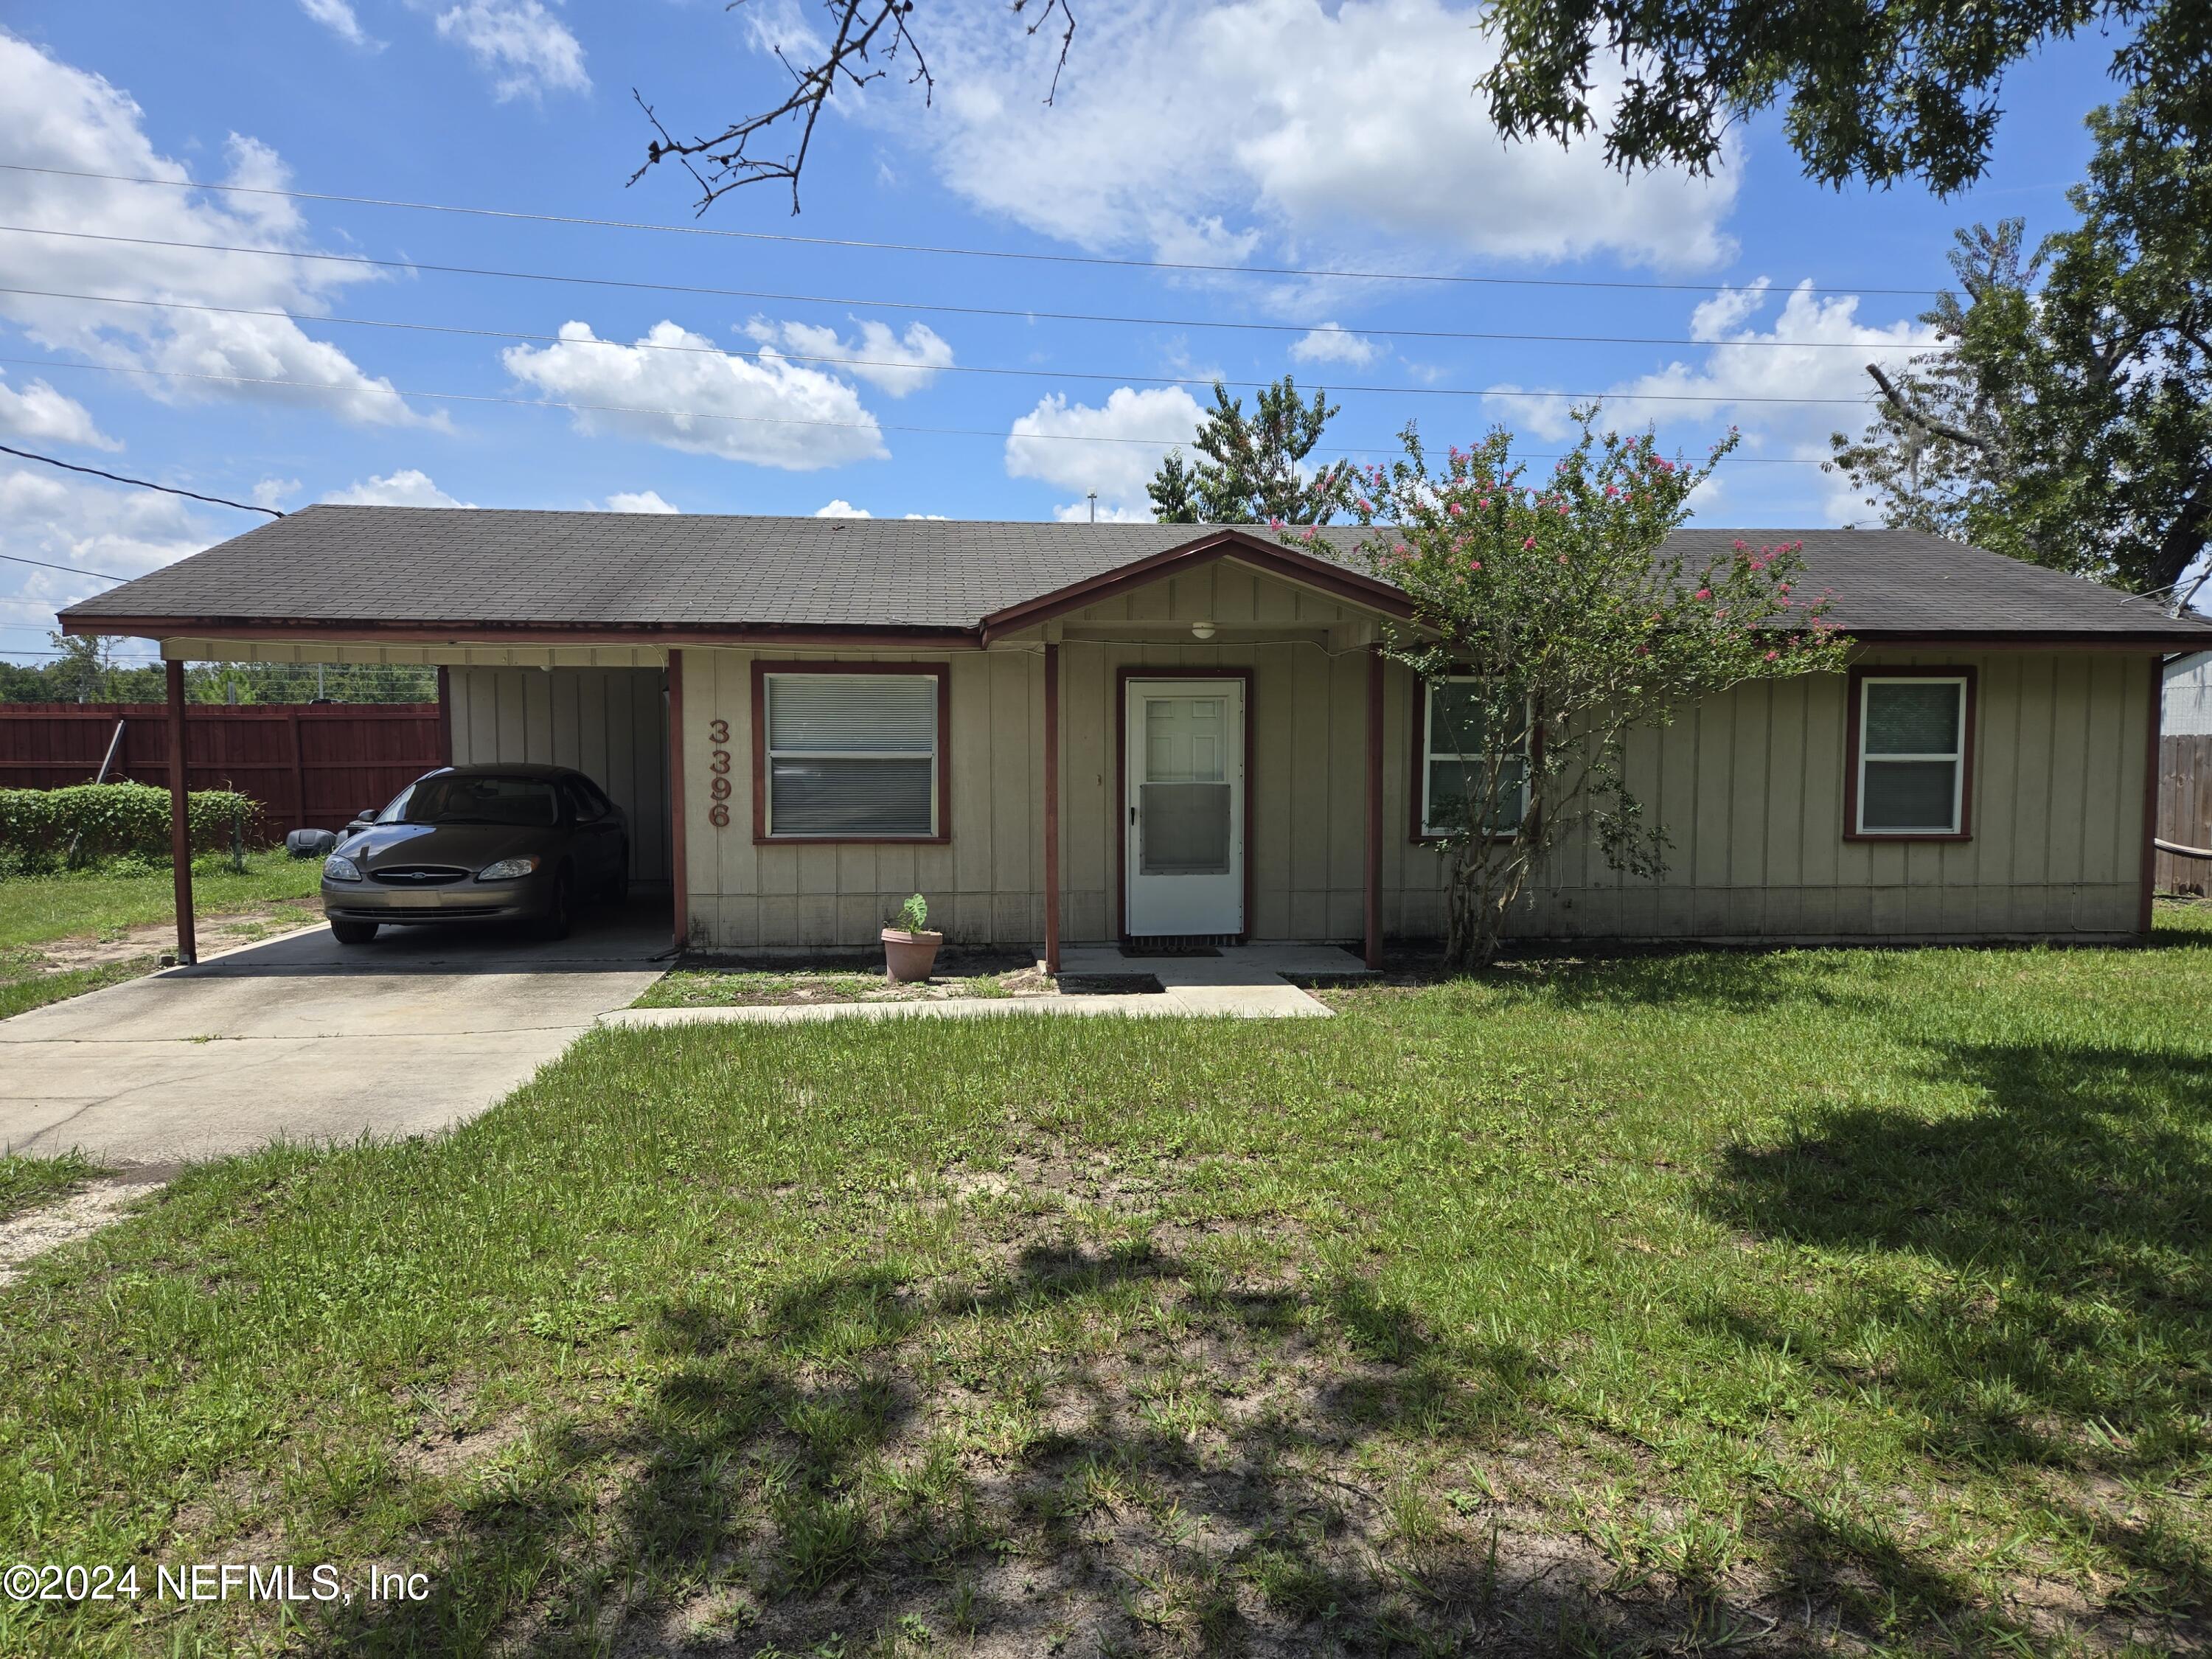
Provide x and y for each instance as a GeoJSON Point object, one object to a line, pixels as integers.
{"type": "Point", "coordinates": [1129, 672]}
{"type": "Point", "coordinates": [943, 670]}
{"type": "Point", "coordinates": [1853, 712]}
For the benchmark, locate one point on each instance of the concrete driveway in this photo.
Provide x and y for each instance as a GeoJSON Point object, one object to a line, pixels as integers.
{"type": "Point", "coordinates": [300, 1039]}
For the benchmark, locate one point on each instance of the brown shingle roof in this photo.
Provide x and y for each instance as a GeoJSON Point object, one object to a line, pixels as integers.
{"type": "Point", "coordinates": [328, 566]}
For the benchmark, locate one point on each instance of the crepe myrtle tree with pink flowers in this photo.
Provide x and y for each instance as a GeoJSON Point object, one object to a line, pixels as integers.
{"type": "Point", "coordinates": [1551, 620]}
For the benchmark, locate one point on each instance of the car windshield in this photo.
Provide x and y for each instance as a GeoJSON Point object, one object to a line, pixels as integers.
{"type": "Point", "coordinates": [470, 798]}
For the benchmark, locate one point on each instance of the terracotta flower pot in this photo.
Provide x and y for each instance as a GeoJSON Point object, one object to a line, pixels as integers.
{"type": "Point", "coordinates": [908, 957]}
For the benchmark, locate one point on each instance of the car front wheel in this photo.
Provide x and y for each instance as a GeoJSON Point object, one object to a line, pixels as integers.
{"type": "Point", "coordinates": [352, 932]}
{"type": "Point", "coordinates": [560, 911]}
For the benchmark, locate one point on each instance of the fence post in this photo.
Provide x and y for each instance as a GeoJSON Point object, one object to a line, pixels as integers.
{"type": "Point", "coordinates": [299, 771]}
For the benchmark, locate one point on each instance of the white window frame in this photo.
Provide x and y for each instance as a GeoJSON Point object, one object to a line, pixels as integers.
{"type": "Point", "coordinates": [1957, 757]}
{"type": "Point", "coordinates": [1430, 754]}
{"type": "Point", "coordinates": [770, 755]}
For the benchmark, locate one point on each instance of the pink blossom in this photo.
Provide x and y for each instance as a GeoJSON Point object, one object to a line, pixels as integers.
{"type": "Point", "coordinates": [1562, 558]}
{"type": "Point", "coordinates": [1474, 564]}
{"type": "Point", "coordinates": [1704, 593]}
{"type": "Point", "coordinates": [1528, 543]}
{"type": "Point", "coordinates": [1772, 655]}
{"type": "Point", "coordinates": [1484, 503]}
{"type": "Point", "coordinates": [1366, 505]}
{"type": "Point", "coordinates": [1785, 604]}
{"type": "Point", "coordinates": [1456, 510]}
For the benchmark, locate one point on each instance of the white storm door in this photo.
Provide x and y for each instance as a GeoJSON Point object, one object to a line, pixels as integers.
{"type": "Point", "coordinates": [1184, 802]}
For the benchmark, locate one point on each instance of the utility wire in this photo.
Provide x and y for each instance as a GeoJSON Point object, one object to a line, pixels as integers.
{"type": "Point", "coordinates": [43, 564]}
{"type": "Point", "coordinates": [771, 420]}
{"type": "Point", "coordinates": [368, 262]}
{"type": "Point", "coordinates": [921, 247]}
{"type": "Point", "coordinates": [965, 368]}
{"type": "Point", "coordinates": [117, 478]}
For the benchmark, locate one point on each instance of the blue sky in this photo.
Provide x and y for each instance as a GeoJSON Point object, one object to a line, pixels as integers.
{"type": "Point", "coordinates": [1276, 132]}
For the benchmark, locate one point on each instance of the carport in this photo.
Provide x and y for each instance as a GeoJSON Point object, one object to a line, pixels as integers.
{"type": "Point", "coordinates": [600, 708]}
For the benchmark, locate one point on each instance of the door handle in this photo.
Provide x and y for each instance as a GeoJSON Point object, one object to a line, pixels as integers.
{"type": "Point", "coordinates": [1132, 817]}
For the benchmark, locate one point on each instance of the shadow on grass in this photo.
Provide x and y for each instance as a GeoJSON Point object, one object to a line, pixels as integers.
{"type": "Point", "coordinates": [2067, 1324]}
{"type": "Point", "coordinates": [1091, 1450]}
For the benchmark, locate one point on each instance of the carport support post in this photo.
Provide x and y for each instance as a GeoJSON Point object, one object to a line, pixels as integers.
{"type": "Point", "coordinates": [180, 816]}
{"type": "Point", "coordinates": [1051, 807]}
{"type": "Point", "coordinates": [1372, 883]}
{"type": "Point", "coordinates": [679, 873]}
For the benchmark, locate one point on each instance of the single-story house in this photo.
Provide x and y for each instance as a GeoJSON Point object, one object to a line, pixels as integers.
{"type": "Point", "coordinates": [1086, 733]}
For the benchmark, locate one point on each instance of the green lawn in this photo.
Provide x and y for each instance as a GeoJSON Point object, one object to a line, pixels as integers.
{"type": "Point", "coordinates": [34, 910]}
{"type": "Point", "coordinates": [1811, 1301]}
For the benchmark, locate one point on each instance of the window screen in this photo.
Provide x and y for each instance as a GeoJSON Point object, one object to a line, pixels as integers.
{"type": "Point", "coordinates": [1452, 768]}
{"type": "Point", "coordinates": [1912, 735]}
{"type": "Point", "coordinates": [852, 754]}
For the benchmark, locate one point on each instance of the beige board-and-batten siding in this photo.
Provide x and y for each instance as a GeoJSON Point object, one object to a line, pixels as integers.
{"type": "Point", "coordinates": [1750, 786]}
{"type": "Point", "coordinates": [610, 724]}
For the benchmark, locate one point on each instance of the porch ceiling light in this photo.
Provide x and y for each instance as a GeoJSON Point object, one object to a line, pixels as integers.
{"type": "Point", "coordinates": [1203, 631]}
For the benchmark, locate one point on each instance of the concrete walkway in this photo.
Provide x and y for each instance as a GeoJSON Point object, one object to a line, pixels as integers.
{"type": "Point", "coordinates": [1244, 982]}
{"type": "Point", "coordinates": [300, 1038]}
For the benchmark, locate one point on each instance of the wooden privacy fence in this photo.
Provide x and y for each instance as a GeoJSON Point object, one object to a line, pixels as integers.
{"type": "Point", "coordinates": [2185, 813]}
{"type": "Point", "coordinates": [310, 765]}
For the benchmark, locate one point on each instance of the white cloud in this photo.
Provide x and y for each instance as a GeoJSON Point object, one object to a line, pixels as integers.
{"type": "Point", "coordinates": [841, 508]}
{"type": "Point", "coordinates": [274, 492]}
{"type": "Point", "coordinates": [1114, 450]}
{"type": "Point", "coordinates": [1800, 356]}
{"type": "Point", "coordinates": [56, 116]}
{"type": "Point", "coordinates": [338, 16]}
{"type": "Point", "coordinates": [1333, 344]}
{"type": "Point", "coordinates": [1081, 513]}
{"type": "Point", "coordinates": [639, 500]}
{"type": "Point", "coordinates": [38, 411]}
{"type": "Point", "coordinates": [90, 526]}
{"type": "Point", "coordinates": [673, 387]}
{"type": "Point", "coordinates": [525, 49]}
{"type": "Point", "coordinates": [408, 487]}
{"type": "Point", "coordinates": [893, 364]}
{"type": "Point", "coordinates": [1344, 130]}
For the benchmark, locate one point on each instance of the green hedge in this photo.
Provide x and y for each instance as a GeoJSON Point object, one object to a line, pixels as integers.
{"type": "Point", "coordinates": [115, 820]}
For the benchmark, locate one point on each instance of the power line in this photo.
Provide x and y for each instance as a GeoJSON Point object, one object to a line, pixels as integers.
{"type": "Point", "coordinates": [921, 247]}
{"type": "Point", "coordinates": [117, 478]}
{"type": "Point", "coordinates": [72, 569]}
{"type": "Point", "coordinates": [992, 433]}
{"type": "Point", "coordinates": [368, 262]}
{"type": "Point", "coordinates": [952, 368]}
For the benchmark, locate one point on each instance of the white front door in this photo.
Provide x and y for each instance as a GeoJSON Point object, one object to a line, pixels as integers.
{"type": "Point", "coordinates": [1184, 749]}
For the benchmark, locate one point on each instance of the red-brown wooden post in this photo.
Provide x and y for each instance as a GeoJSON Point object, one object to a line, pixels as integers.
{"type": "Point", "coordinates": [180, 824]}
{"type": "Point", "coordinates": [1051, 809]}
{"type": "Point", "coordinates": [1372, 885]}
{"type": "Point", "coordinates": [680, 876]}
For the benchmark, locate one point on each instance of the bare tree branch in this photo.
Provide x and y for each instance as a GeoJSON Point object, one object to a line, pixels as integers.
{"type": "Point", "coordinates": [867, 34]}
{"type": "Point", "coordinates": [1929, 423]}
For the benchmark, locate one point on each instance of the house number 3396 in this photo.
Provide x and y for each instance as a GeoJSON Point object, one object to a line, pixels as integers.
{"type": "Point", "coordinates": [718, 764]}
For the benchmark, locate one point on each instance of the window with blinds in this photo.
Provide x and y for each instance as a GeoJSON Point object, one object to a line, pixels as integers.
{"type": "Point", "coordinates": [851, 756]}
{"type": "Point", "coordinates": [1912, 755]}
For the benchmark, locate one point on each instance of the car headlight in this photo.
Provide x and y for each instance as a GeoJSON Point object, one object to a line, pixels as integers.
{"type": "Point", "coordinates": [509, 869]}
{"type": "Point", "coordinates": [339, 867]}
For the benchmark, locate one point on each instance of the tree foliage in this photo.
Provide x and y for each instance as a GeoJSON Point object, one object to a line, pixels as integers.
{"type": "Point", "coordinates": [1881, 90]}
{"type": "Point", "coordinates": [1560, 622]}
{"type": "Point", "coordinates": [1253, 468]}
{"type": "Point", "coordinates": [2067, 418]}
{"type": "Point", "coordinates": [84, 669]}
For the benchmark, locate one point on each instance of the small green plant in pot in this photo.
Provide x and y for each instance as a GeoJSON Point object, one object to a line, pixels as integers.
{"type": "Point", "coordinates": [909, 948]}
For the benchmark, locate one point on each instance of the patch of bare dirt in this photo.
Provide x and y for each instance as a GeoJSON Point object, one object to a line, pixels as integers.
{"type": "Point", "coordinates": [149, 939]}
{"type": "Point", "coordinates": [100, 1201]}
